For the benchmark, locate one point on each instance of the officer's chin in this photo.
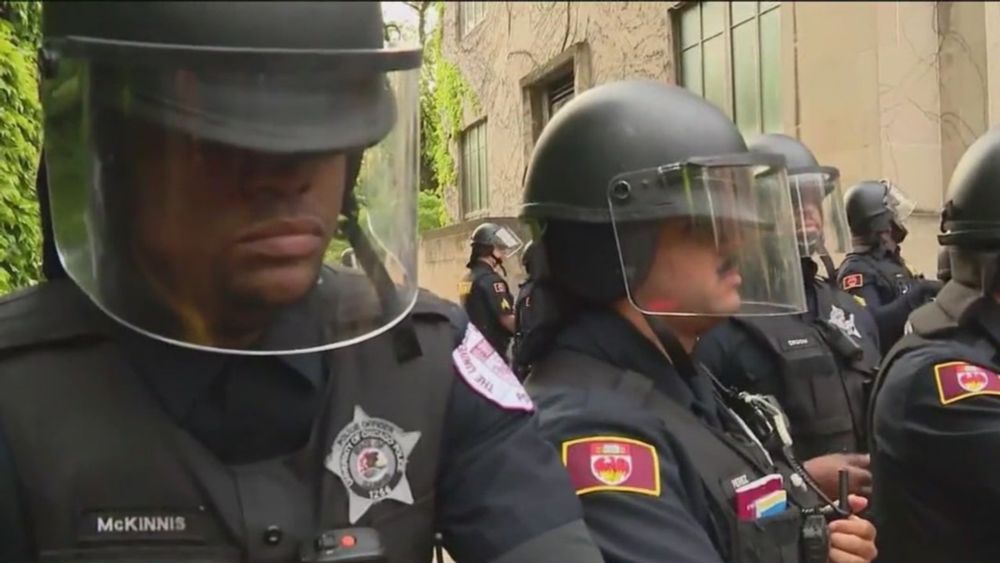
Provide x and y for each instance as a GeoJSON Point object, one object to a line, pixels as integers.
{"type": "Point", "coordinates": [276, 285]}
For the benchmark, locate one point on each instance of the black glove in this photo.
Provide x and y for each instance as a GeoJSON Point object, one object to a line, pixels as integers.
{"type": "Point", "coordinates": [922, 291]}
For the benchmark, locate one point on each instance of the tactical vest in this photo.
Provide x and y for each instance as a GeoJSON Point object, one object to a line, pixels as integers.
{"type": "Point", "coordinates": [723, 460]}
{"type": "Point", "coordinates": [107, 476]}
{"type": "Point", "coordinates": [892, 277]}
{"type": "Point", "coordinates": [825, 374]}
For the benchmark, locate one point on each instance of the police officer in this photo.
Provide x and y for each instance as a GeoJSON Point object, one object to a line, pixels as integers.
{"type": "Point", "coordinates": [483, 291]}
{"type": "Point", "coordinates": [524, 307]}
{"type": "Point", "coordinates": [682, 226]}
{"type": "Point", "coordinates": [202, 387]}
{"type": "Point", "coordinates": [936, 409]}
{"type": "Point", "coordinates": [874, 270]}
{"type": "Point", "coordinates": [819, 364]}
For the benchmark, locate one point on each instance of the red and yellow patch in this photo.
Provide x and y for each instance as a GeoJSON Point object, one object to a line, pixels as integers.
{"type": "Point", "coordinates": [610, 463]}
{"type": "Point", "coordinates": [854, 280]}
{"type": "Point", "coordinates": [961, 380]}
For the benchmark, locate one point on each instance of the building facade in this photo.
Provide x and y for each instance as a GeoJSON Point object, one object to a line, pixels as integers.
{"type": "Point", "coordinates": [892, 90]}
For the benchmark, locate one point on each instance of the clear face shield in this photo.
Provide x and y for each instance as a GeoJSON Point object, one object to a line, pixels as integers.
{"type": "Point", "coordinates": [820, 218]}
{"type": "Point", "coordinates": [508, 244]}
{"type": "Point", "coordinates": [195, 194]}
{"type": "Point", "coordinates": [709, 237]}
{"type": "Point", "coordinates": [901, 207]}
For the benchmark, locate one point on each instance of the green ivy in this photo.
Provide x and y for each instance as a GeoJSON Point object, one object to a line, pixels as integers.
{"type": "Point", "coordinates": [20, 137]}
{"type": "Point", "coordinates": [444, 93]}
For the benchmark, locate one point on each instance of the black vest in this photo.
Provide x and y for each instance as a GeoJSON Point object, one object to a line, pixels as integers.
{"type": "Point", "coordinates": [824, 371]}
{"type": "Point", "coordinates": [723, 460]}
{"type": "Point", "coordinates": [106, 475]}
{"type": "Point", "coordinates": [962, 522]}
{"type": "Point", "coordinates": [892, 277]}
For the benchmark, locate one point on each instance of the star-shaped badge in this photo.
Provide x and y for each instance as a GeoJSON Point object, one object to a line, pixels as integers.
{"type": "Point", "coordinates": [370, 456]}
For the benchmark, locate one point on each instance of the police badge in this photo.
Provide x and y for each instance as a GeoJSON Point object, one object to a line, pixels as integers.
{"type": "Point", "coordinates": [370, 455]}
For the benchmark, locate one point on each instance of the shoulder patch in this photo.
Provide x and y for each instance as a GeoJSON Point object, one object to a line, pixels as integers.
{"type": "Point", "coordinates": [499, 287]}
{"type": "Point", "coordinates": [488, 374]}
{"type": "Point", "coordinates": [961, 380]}
{"type": "Point", "coordinates": [612, 464]}
{"type": "Point", "coordinates": [853, 280]}
{"type": "Point", "coordinates": [464, 288]}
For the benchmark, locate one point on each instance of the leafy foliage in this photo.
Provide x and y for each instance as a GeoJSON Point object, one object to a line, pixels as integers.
{"type": "Point", "coordinates": [20, 138]}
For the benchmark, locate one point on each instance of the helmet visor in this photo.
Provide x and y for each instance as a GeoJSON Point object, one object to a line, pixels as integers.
{"type": "Point", "coordinates": [713, 237]}
{"type": "Point", "coordinates": [818, 205]}
{"type": "Point", "coordinates": [200, 203]}
{"type": "Point", "coordinates": [506, 242]}
{"type": "Point", "coordinates": [898, 202]}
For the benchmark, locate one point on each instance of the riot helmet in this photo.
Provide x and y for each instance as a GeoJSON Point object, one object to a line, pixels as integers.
{"type": "Point", "coordinates": [490, 239]}
{"type": "Point", "coordinates": [631, 169]}
{"type": "Point", "coordinates": [816, 196]}
{"type": "Point", "coordinates": [970, 220]}
{"type": "Point", "coordinates": [875, 207]}
{"type": "Point", "coordinates": [202, 156]}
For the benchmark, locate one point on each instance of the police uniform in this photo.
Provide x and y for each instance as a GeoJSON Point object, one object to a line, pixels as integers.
{"type": "Point", "coordinates": [935, 408]}
{"type": "Point", "coordinates": [203, 387]}
{"type": "Point", "coordinates": [236, 457]}
{"type": "Point", "coordinates": [486, 298]}
{"type": "Point", "coordinates": [818, 365]}
{"type": "Point", "coordinates": [936, 427]}
{"type": "Point", "coordinates": [655, 456]}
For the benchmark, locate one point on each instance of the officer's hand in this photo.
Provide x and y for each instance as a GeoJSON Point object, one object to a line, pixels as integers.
{"type": "Point", "coordinates": [825, 471]}
{"type": "Point", "coordinates": [923, 291]}
{"type": "Point", "coordinates": [852, 540]}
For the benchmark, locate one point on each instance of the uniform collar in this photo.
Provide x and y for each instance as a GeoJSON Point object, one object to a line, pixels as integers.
{"type": "Point", "coordinates": [605, 335]}
{"type": "Point", "coordinates": [179, 376]}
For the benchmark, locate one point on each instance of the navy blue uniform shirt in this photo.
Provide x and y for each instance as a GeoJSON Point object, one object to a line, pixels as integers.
{"type": "Point", "coordinates": [633, 527]}
{"type": "Point", "coordinates": [497, 476]}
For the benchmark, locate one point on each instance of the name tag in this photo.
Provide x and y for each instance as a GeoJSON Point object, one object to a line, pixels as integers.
{"type": "Point", "coordinates": [797, 343]}
{"type": "Point", "coordinates": [143, 525]}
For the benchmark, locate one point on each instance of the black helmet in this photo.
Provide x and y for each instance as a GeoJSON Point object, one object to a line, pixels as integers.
{"type": "Point", "coordinates": [875, 206]}
{"type": "Point", "coordinates": [289, 113]}
{"type": "Point", "coordinates": [602, 135]}
{"type": "Point", "coordinates": [622, 157]}
{"type": "Point", "coordinates": [971, 215]}
{"type": "Point", "coordinates": [486, 235]}
{"type": "Point", "coordinates": [812, 183]}
{"type": "Point", "coordinates": [145, 104]}
{"type": "Point", "coordinates": [970, 220]}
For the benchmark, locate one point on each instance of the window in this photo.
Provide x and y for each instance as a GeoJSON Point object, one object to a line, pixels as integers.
{"type": "Point", "coordinates": [470, 15]}
{"type": "Point", "coordinates": [557, 93]}
{"type": "Point", "coordinates": [730, 54]}
{"type": "Point", "coordinates": [474, 186]}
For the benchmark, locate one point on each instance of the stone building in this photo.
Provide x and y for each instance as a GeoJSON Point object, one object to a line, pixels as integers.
{"type": "Point", "coordinates": [891, 90]}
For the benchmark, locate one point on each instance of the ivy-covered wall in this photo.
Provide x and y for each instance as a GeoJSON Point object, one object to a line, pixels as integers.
{"type": "Point", "coordinates": [20, 137]}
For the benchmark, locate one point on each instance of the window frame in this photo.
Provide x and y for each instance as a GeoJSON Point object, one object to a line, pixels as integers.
{"type": "Point", "coordinates": [478, 128]}
{"type": "Point", "coordinates": [729, 25]}
{"type": "Point", "coordinates": [467, 25]}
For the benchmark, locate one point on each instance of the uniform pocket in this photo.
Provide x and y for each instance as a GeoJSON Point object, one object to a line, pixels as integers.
{"type": "Point", "coordinates": [774, 539]}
